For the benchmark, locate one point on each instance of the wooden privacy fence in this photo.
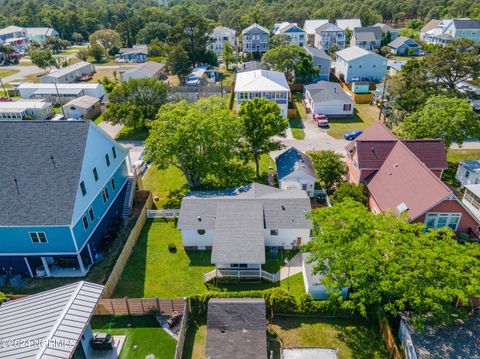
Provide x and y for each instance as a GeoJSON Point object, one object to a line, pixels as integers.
{"type": "Point", "coordinates": [139, 306]}
{"type": "Point", "coordinates": [183, 331]}
{"type": "Point", "coordinates": [122, 260]}
{"type": "Point", "coordinates": [163, 213]}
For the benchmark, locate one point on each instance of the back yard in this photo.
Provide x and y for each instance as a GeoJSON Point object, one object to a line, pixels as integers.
{"type": "Point", "coordinates": [143, 334]}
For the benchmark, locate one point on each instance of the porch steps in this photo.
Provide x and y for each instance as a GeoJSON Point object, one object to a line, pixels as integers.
{"type": "Point", "coordinates": [127, 203]}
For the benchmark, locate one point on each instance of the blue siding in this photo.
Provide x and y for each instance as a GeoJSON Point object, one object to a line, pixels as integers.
{"type": "Point", "coordinates": [17, 240]}
{"type": "Point", "coordinates": [99, 208]}
{"type": "Point", "coordinates": [14, 264]}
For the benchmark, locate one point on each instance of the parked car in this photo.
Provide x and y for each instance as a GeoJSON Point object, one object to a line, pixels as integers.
{"type": "Point", "coordinates": [351, 135]}
{"type": "Point", "coordinates": [321, 120]}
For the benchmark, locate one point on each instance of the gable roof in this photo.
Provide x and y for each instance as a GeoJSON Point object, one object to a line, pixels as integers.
{"type": "Point", "coordinates": [40, 31]}
{"type": "Point", "coordinates": [290, 28]}
{"type": "Point", "coordinates": [261, 80]}
{"type": "Point", "coordinates": [281, 208]}
{"type": "Point", "coordinates": [386, 28]}
{"type": "Point", "coordinates": [57, 315]}
{"type": "Point", "coordinates": [255, 27]}
{"type": "Point", "coordinates": [236, 328]}
{"type": "Point", "coordinates": [432, 24]}
{"type": "Point", "coordinates": [399, 41]}
{"type": "Point", "coordinates": [83, 102]}
{"type": "Point", "coordinates": [68, 69]}
{"type": "Point", "coordinates": [317, 53]}
{"type": "Point", "coordinates": [150, 68]}
{"type": "Point", "coordinates": [136, 49]}
{"type": "Point", "coordinates": [355, 52]}
{"type": "Point", "coordinates": [348, 23]}
{"type": "Point", "coordinates": [403, 178]}
{"type": "Point", "coordinates": [311, 25]}
{"type": "Point", "coordinates": [370, 33]}
{"type": "Point", "coordinates": [377, 132]}
{"type": "Point", "coordinates": [465, 24]}
{"type": "Point", "coordinates": [239, 233]}
{"type": "Point", "coordinates": [223, 29]}
{"type": "Point", "coordinates": [10, 29]}
{"type": "Point", "coordinates": [471, 165]}
{"type": "Point", "coordinates": [328, 27]}
{"type": "Point", "coordinates": [291, 160]}
{"type": "Point", "coordinates": [325, 91]}
{"type": "Point", "coordinates": [40, 164]}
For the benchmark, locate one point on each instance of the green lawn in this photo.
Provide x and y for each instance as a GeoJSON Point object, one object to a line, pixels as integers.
{"type": "Point", "coordinates": [364, 116]}
{"type": "Point", "coordinates": [462, 155]}
{"type": "Point", "coordinates": [5, 73]}
{"type": "Point", "coordinates": [143, 332]}
{"type": "Point", "coordinates": [153, 271]}
{"type": "Point", "coordinates": [132, 134]}
{"type": "Point", "coordinates": [195, 339]}
{"type": "Point", "coordinates": [353, 337]}
{"type": "Point", "coordinates": [99, 119]}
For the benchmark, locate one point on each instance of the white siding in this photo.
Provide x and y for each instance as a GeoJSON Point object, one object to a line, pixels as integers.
{"type": "Point", "coordinates": [286, 237]}
{"type": "Point", "coordinates": [191, 238]}
{"type": "Point", "coordinates": [296, 179]}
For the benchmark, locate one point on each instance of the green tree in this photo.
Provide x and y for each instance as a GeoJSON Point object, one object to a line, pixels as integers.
{"type": "Point", "coordinates": [6, 51]}
{"type": "Point", "coordinates": [55, 44]}
{"type": "Point", "coordinates": [228, 54]}
{"type": "Point", "coordinates": [135, 103]}
{"type": "Point", "coordinates": [352, 191]}
{"type": "Point", "coordinates": [454, 63]}
{"type": "Point", "coordinates": [390, 264]}
{"type": "Point", "coordinates": [77, 38]}
{"type": "Point", "coordinates": [411, 33]}
{"type": "Point", "coordinates": [260, 121]}
{"type": "Point", "coordinates": [153, 31]}
{"type": "Point", "coordinates": [96, 51]}
{"type": "Point", "coordinates": [199, 138]}
{"type": "Point", "coordinates": [279, 40]}
{"type": "Point", "coordinates": [451, 119]}
{"type": "Point", "coordinates": [82, 54]}
{"type": "Point", "coordinates": [107, 38]}
{"type": "Point", "coordinates": [292, 60]}
{"type": "Point", "coordinates": [178, 62]}
{"type": "Point", "coordinates": [42, 58]}
{"type": "Point", "coordinates": [329, 167]}
{"type": "Point", "coordinates": [332, 51]}
{"type": "Point", "coordinates": [158, 48]}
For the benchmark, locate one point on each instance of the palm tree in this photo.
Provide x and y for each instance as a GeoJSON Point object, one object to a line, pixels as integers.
{"type": "Point", "coordinates": [6, 50]}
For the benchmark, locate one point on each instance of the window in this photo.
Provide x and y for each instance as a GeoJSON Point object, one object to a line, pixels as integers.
{"type": "Point", "coordinates": [95, 174]}
{"type": "Point", "coordinates": [91, 214]}
{"type": "Point", "coordinates": [440, 220]}
{"type": "Point", "coordinates": [107, 159]}
{"type": "Point", "coordinates": [114, 152]}
{"type": "Point", "coordinates": [82, 188]}
{"type": "Point", "coordinates": [85, 221]}
{"type": "Point", "coordinates": [467, 174]}
{"type": "Point", "coordinates": [113, 184]}
{"type": "Point", "coordinates": [38, 237]}
{"type": "Point", "coordinates": [201, 232]}
{"type": "Point", "coordinates": [347, 107]}
{"type": "Point", "coordinates": [274, 232]}
{"type": "Point", "coordinates": [105, 194]}
{"type": "Point", "coordinates": [304, 186]}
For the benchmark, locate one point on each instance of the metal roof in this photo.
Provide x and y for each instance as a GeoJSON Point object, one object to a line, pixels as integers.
{"type": "Point", "coordinates": [471, 165]}
{"type": "Point", "coordinates": [317, 53]}
{"type": "Point", "coordinates": [78, 66]}
{"type": "Point", "coordinates": [57, 316]}
{"type": "Point", "coordinates": [291, 160]}
{"type": "Point", "coordinates": [236, 329]}
{"type": "Point", "coordinates": [355, 52]}
{"type": "Point", "coordinates": [261, 80]}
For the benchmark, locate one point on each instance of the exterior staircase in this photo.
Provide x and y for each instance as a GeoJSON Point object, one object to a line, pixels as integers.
{"type": "Point", "coordinates": [129, 195]}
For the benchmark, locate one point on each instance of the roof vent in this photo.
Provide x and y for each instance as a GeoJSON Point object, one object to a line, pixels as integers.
{"type": "Point", "coordinates": [402, 207]}
{"type": "Point", "coordinates": [16, 184]}
{"type": "Point", "coordinates": [283, 206]}
{"type": "Point", "coordinates": [395, 165]}
{"type": "Point", "coordinates": [53, 161]}
{"type": "Point", "coordinates": [199, 218]}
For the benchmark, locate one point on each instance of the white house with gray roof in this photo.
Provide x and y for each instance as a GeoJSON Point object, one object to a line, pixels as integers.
{"type": "Point", "coordinates": [51, 324]}
{"type": "Point", "coordinates": [295, 171]}
{"type": "Point", "coordinates": [219, 37]}
{"type": "Point", "coordinates": [237, 224]}
{"type": "Point", "coordinates": [147, 70]}
{"type": "Point", "coordinates": [255, 39]}
{"type": "Point", "coordinates": [328, 98]}
{"type": "Point", "coordinates": [295, 34]}
{"type": "Point", "coordinates": [22, 109]}
{"type": "Point", "coordinates": [68, 74]}
{"type": "Point", "coordinates": [357, 64]}
{"type": "Point", "coordinates": [443, 32]}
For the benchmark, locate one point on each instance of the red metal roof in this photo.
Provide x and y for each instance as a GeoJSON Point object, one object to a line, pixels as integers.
{"type": "Point", "coordinates": [404, 178]}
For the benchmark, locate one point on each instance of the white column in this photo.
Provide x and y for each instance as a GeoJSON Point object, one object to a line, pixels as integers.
{"type": "Point", "coordinates": [45, 266]}
{"type": "Point", "coordinates": [90, 253]}
{"type": "Point", "coordinates": [28, 266]}
{"type": "Point", "coordinates": [80, 263]}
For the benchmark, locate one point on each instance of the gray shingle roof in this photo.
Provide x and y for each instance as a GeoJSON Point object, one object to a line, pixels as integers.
{"type": "Point", "coordinates": [239, 233]}
{"type": "Point", "coordinates": [40, 163]}
{"type": "Point", "coordinates": [150, 68]}
{"type": "Point", "coordinates": [328, 27]}
{"type": "Point", "coordinates": [369, 33]}
{"type": "Point", "coordinates": [59, 315]}
{"type": "Point", "coordinates": [199, 209]}
{"type": "Point", "coordinates": [466, 24]}
{"type": "Point", "coordinates": [471, 165]}
{"type": "Point", "coordinates": [399, 41]}
{"type": "Point", "coordinates": [317, 53]}
{"type": "Point", "coordinates": [324, 91]}
{"type": "Point", "coordinates": [291, 160]}
{"type": "Point", "coordinates": [255, 27]}
{"type": "Point", "coordinates": [236, 329]}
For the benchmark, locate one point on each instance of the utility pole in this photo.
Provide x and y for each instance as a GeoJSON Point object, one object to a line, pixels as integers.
{"type": "Point", "coordinates": [58, 100]}
{"type": "Point", "coordinates": [383, 97]}
{"type": "Point", "coordinates": [4, 89]}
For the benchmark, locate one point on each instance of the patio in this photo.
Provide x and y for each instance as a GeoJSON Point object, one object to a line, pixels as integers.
{"type": "Point", "coordinates": [119, 340]}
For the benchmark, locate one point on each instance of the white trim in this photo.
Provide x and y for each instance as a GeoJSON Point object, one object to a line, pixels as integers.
{"type": "Point", "coordinates": [38, 225]}
{"type": "Point", "coordinates": [101, 189]}
{"type": "Point", "coordinates": [74, 239]}
{"type": "Point", "coordinates": [39, 254]}
{"type": "Point", "coordinates": [28, 266]}
{"type": "Point", "coordinates": [45, 266]}
{"type": "Point", "coordinates": [90, 253]}
{"type": "Point", "coordinates": [448, 214]}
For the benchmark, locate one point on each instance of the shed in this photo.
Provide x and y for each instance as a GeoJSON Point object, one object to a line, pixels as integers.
{"type": "Point", "coordinates": [58, 319]}
{"type": "Point", "coordinates": [295, 171]}
{"type": "Point", "coordinates": [236, 328]}
{"type": "Point", "coordinates": [85, 107]}
{"type": "Point", "coordinates": [360, 87]}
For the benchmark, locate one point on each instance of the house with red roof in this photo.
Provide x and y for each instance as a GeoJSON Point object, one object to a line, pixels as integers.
{"type": "Point", "coordinates": [405, 176]}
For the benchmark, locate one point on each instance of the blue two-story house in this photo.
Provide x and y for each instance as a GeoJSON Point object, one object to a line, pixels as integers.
{"type": "Point", "coordinates": [61, 185]}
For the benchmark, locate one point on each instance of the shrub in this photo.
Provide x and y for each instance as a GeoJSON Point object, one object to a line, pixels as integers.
{"type": "Point", "coordinates": [172, 248]}
{"type": "Point", "coordinates": [350, 190]}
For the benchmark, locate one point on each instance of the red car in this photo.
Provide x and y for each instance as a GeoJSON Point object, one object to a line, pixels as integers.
{"type": "Point", "coordinates": [321, 120]}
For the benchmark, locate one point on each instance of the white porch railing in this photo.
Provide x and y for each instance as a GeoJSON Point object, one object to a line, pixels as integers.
{"type": "Point", "coordinates": [163, 213]}
{"type": "Point", "coordinates": [239, 274]}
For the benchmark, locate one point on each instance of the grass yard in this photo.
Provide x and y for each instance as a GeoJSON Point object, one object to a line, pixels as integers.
{"type": "Point", "coordinates": [109, 73]}
{"type": "Point", "coordinates": [364, 116]}
{"type": "Point", "coordinates": [34, 77]}
{"type": "Point", "coordinates": [141, 331]}
{"type": "Point", "coordinates": [354, 337]}
{"type": "Point", "coordinates": [296, 124]}
{"type": "Point", "coordinates": [132, 134]}
{"type": "Point", "coordinates": [5, 73]}
{"type": "Point", "coordinates": [195, 339]}
{"type": "Point", "coordinates": [458, 155]}
{"type": "Point", "coordinates": [153, 271]}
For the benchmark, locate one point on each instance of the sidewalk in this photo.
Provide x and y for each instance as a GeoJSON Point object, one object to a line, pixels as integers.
{"type": "Point", "coordinates": [295, 268]}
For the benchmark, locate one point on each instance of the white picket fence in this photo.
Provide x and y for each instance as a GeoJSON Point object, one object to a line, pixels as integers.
{"type": "Point", "coordinates": [239, 274]}
{"type": "Point", "coordinates": [163, 213]}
